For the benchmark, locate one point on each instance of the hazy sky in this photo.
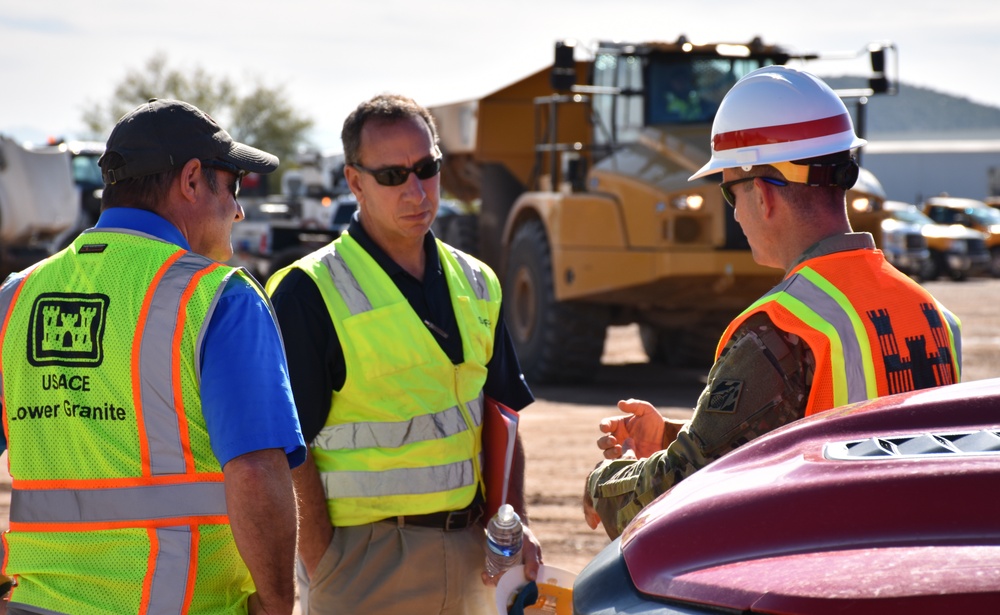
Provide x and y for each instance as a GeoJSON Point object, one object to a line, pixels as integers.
{"type": "Point", "coordinates": [59, 56]}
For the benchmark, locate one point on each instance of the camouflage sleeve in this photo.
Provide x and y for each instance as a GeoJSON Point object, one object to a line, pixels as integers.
{"type": "Point", "coordinates": [760, 383]}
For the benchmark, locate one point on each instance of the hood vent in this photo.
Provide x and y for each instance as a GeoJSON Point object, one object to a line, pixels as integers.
{"type": "Point", "coordinates": [976, 443]}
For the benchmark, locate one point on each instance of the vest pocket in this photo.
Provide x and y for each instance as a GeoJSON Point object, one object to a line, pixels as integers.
{"type": "Point", "coordinates": [388, 340]}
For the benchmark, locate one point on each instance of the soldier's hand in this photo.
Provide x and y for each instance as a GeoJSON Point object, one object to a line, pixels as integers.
{"type": "Point", "coordinates": [639, 434]}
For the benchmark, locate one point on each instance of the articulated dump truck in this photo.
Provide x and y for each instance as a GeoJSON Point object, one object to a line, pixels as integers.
{"type": "Point", "coordinates": [584, 208]}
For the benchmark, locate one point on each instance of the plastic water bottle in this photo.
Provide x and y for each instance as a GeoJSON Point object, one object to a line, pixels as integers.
{"type": "Point", "coordinates": [504, 538]}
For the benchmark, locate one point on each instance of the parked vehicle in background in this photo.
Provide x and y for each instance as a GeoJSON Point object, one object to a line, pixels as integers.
{"type": "Point", "coordinates": [311, 210]}
{"type": "Point", "coordinates": [38, 202]}
{"type": "Point", "coordinates": [886, 506]}
{"type": "Point", "coordinates": [902, 242]}
{"type": "Point", "coordinates": [972, 213]}
{"type": "Point", "coordinates": [87, 175]}
{"type": "Point", "coordinates": [954, 250]}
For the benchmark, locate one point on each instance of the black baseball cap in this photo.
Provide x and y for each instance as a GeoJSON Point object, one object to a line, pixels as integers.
{"type": "Point", "coordinates": [163, 134]}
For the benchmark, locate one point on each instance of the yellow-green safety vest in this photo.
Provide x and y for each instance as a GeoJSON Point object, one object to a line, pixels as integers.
{"type": "Point", "coordinates": [118, 503]}
{"type": "Point", "coordinates": [403, 435]}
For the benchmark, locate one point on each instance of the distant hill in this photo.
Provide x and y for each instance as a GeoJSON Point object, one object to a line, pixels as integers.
{"type": "Point", "coordinates": [918, 112]}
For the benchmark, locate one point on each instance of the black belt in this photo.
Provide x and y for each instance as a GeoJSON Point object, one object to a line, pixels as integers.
{"type": "Point", "coordinates": [448, 521]}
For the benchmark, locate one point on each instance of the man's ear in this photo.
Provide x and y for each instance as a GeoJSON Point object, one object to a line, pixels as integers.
{"type": "Point", "coordinates": [353, 177]}
{"type": "Point", "coordinates": [189, 179]}
{"type": "Point", "coordinates": [768, 197]}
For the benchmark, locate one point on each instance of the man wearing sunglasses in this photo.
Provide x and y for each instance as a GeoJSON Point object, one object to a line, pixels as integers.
{"type": "Point", "coordinates": [394, 340]}
{"type": "Point", "coordinates": [842, 326]}
{"type": "Point", "coordinates": [147, 404]}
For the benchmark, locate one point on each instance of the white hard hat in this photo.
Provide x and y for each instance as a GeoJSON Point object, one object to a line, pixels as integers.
{"type": "Point", "coordinates": [778, 114]}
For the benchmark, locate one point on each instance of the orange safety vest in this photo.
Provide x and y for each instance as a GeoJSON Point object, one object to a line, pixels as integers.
{"type": "Point", "coordinates": [872, 330]}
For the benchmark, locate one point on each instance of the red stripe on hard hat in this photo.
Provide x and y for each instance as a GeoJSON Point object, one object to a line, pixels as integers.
{"type": "Point", "coordinates": [784, 133]}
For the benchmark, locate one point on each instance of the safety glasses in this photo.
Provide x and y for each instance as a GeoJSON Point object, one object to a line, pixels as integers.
{"type": "Point", "coordinates": [231, 168]}
{"type": "Point", "coordinates": [727, 187]}
{"type": "Point", "coordinates": [395, 176]}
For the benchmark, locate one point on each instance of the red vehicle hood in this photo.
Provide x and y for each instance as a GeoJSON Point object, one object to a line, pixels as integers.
{"type": "Point", "coordinates": [891, 502]}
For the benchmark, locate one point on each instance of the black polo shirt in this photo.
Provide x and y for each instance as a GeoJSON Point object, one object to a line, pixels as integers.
{"type": "Point", "coordinates": [316, 360]}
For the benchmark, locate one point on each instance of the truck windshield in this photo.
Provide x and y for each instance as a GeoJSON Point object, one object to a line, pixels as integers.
{"type": "Point", "coordinates": [86, 170]}
{"type": "Point", "coordinates": [984, 215]}
{"type": "Point", "coordinates": [689, 90]}
{"type": "Point", "coordinates": [658, 89]}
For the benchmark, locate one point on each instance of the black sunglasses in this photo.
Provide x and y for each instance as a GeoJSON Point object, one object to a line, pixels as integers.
{"type": "Point", "coordinates": [396, 176]}
{"type": "Point", "coordinates": [727, 187]}
{"type": "Point", "coordinates": [230, 167]}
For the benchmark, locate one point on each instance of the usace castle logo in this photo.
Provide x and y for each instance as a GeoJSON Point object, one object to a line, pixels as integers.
{"type": "Point", "coordinates": [67, 329]}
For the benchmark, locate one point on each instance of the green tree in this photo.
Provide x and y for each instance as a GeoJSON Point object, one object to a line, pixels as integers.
{"type": "Point", "coordinates": [262, 117]}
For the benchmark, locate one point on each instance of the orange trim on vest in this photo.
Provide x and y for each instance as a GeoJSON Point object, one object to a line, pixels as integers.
{"type": "Point", "coordinates": [182, 422]}
{"type": "Point", "coordinates": [895, 313]}
{"type": "Point", "coordinates": [3, 335]}
{"type": "Point", "coordinates": [136, 347]}
{"type": "Point", "coordinates": [129, 524]}
{"type": "Point", "coordinates": [113, 483]}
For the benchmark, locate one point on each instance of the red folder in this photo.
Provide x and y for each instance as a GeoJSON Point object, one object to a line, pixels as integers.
{"type": "Point", "coordinates": [499, 433]}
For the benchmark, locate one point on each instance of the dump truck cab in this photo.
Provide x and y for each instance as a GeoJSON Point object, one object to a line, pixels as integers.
{"type": "Point", "coordinates": [585, 209]}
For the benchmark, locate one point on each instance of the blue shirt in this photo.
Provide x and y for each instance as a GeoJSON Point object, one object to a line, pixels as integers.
{"type": "Point", "coordinates": [246, 397]}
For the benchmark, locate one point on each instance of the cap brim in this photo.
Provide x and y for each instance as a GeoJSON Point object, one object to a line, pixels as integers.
{"type": "Point", "coordinates": [251, 159]}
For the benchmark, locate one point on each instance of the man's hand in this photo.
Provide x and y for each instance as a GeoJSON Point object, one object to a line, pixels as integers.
{"type": "Point", "coordinates": [639, 434]}
{"type": "Point", "coordinates": [531, 557]}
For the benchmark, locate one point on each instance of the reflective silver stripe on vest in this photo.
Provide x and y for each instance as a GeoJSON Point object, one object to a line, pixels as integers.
{"type": "Point", "coordinates": [404, 481]}
{"type": "Point", "coordinates": [347, 285]}
{"type": "Point", "coordinates": [801, 288]}
{"type": "Point", "coordinates": [117, 504]}
{"type": "Point", "coordinates": [956, 335]}
{"type": "Point", "coordinates": [476, 409]}
{"type": "Point", "coordinates": [166, 593]}
{"type": "Point", "coordinates": [386, 434]}
{"type": "Point", "coordinates": [166, 454]}
{"type": "Point", "coordinates": [473, 273]}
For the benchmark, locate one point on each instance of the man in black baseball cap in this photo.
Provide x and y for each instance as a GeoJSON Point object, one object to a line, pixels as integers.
{"type": "Point", "coordinates": [186, 461]}
{"type": "Point", "coordinates": [161, 135]}
{"type": "Point", "coordinates": [160, 152]}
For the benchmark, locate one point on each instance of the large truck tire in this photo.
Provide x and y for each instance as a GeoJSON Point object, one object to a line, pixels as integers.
{"type": "Point", "coordinates": [557, 342]}
{"type": "Point", "coordinates": [688, 347]}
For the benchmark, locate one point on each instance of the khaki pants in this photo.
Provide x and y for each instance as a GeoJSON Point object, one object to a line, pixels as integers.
{"type": "Point", "coordinates": [385, 568]}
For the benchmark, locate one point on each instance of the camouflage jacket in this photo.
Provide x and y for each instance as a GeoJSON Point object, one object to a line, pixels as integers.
{"type": "Point", "coordinates": [760, 382]}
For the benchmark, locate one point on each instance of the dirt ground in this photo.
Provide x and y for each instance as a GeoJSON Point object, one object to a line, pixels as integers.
{"type": "Point", "coordinates": [559, 430]}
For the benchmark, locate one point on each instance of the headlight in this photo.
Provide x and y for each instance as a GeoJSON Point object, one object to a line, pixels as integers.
{"type": "Point", "coordinates": [688, 202]}
{"type": "Point", "coordinates": [861, 204]}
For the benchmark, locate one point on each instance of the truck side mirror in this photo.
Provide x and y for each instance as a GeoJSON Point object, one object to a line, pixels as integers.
{"type": "Point", "coordinates": [879, 82]}
{"type": "Point", "coordinates": [878, 60]}
{"type": "Point", "coordinates": [564, 68]}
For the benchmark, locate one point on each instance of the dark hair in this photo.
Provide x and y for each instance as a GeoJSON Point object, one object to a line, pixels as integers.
{"type": "Point", "coordinates": [383, 107]}
{"type": "Point", "coordinates": [150, 191]}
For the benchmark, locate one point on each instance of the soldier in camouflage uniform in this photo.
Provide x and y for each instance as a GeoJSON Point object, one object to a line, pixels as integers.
{"type": "Point", "coordinates": [843, 326]}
